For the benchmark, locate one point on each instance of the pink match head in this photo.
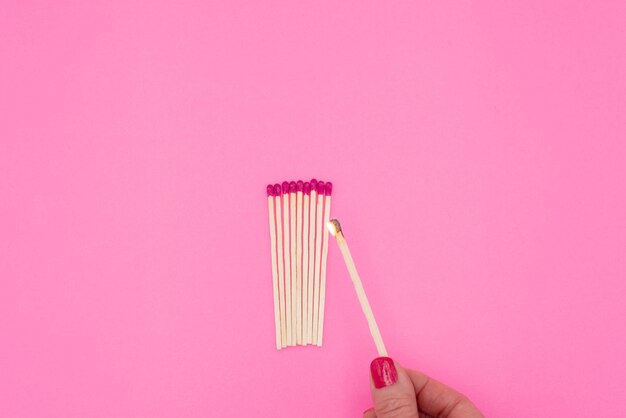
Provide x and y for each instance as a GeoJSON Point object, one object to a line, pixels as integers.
{"type": "Point", "coordinates": [307, 188]}
{"type": "Point", "coordinates": [270, 190]}
{"type": "Point", "coordinates": [321, 186]}
{"type": "Point", "coordinates": [313, 185]}
{"type": "Point", "coordinates": [299, 185]}
{"type": "Point", "coordinates": [329, 188]}
{"type": "Point", "coordinates": [277, 189]}
{"type": "Point", "coordinates": [292, 187]}
{"type": "Point", "coordinates": [285, 187]}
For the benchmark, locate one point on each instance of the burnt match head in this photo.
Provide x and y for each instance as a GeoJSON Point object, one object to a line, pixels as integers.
{"type": "Point", "coordinates": [299, 186]}
{"type": "Point", "coordinates": [321, 187]}
{"type": "Point", "coordinates": [292, 187]}
{"type": "Point", "coordinates": [270, 190]}
{"type": "Point", "coordinates": [334, 227]}
{"type": "Point", "coordinates": [307, 188]}
{"type": "Point", "coordinates": [277, 189]}
{"type": "Point", "coordinates": [329, 188]}
{"type": "Point", "coordinates": [285, 187]}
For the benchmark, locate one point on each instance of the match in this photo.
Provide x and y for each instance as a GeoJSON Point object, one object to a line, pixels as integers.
{"type": "Point", "coordinates": [312, 224]}
{"type": "Point", "coordinates": [292, 248]}
{"type": "Point", "coordinates": [319, 230]}
{"type": "Point", "coordinates": [287, 249]}
{"type": "Point", "coordinates": [272, 222]}
{"type": "Point", "coordinates": [299, 193]}
{"type": "Point", "coordinates": [328, 190]}
{"type": "Point", "coordinates": [335, 230]}
{"type": "Point", "coordinates": [305, 262]}
{"type": "Point", "coordinates": [281, 271]}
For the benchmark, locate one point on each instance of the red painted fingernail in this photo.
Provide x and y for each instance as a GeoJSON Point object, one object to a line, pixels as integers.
{"type": "Point", "coordinates": [383, 372]}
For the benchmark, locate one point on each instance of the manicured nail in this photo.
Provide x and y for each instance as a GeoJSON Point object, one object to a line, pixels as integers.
{"type": "Point", "coordinates": [383, 372]}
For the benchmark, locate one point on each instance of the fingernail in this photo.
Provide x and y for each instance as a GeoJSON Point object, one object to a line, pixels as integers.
{"type": "Point", "coordinates": [383, 372]}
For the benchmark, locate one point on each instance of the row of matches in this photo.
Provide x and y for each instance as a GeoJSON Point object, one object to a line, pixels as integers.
{"type": "Point", "coordinates": [298, 212]}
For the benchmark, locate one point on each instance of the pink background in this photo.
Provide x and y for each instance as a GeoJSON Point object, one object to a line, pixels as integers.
{"type": "Point", "coordinates": [478, 156]}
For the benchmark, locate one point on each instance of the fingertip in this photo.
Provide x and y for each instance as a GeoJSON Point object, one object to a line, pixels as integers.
{"type": "Point", "coordinates": [391, 389]}
{"type": "Point", "coordinates": [383, 372]}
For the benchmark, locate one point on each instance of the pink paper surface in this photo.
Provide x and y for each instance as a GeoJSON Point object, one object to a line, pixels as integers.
{"type": "Point", "coordinates": [478, 156]}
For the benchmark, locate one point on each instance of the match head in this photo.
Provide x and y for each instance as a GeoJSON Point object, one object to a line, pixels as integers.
{"type": "Point", "coordinates": [313, 185]}
{"type": "Point", "coordinates": [292, 187]}
{"type": "Point", "coordinates": [299, 186]}
{"type": "Point", "coordinates": [329, 188]}
{"type": "Point", "coordinates": [321, 187]}
{"type": "Point", "coordinates": [334, 227]}
{"type": "Point", "coordinates": [277, 189]}
{"type": "Point", "coordinates": [307, 188]}
{"type": "Point", "coordinates": [285, 187]}
{"type": "Point", "coordinates": [270, 190]}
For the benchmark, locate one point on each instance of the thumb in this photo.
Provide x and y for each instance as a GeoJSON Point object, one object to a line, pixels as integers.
{"type": "Point", "coordinates": [392, 391]}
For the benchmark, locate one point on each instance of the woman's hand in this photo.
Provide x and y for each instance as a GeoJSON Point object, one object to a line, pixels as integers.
{"type": "Point", "coordinates": [398, 392]}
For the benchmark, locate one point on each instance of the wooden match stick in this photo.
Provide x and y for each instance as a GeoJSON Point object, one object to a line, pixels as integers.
{"type": "Point", "coordinates": [272, 222]}
{"type": "Point", "coordinates": [320, 325]}
{"type": "Point", "coordinates": [312, 224]}
{"type": "Point", "coordinates": [281, 272]}
{"type": "Point", "coordinates": [319, 230]}
{"type": "Point", "coordinates": [287, 256]}
{"type": "Point", "coordinates": [299, 190]}
{"type": "Point", "coordinates": [305, 262]}
{"type": "Point", "coordinates": [293, 250]}
{"type": "Point", "coordinates": [335, 229]}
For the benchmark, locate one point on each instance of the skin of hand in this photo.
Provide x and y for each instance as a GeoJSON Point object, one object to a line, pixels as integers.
{"type": "Point", "coordinates": [399, 392]}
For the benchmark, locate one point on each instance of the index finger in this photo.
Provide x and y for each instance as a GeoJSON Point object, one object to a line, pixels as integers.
{"type": "Point", "coordinates": [439, 400]}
